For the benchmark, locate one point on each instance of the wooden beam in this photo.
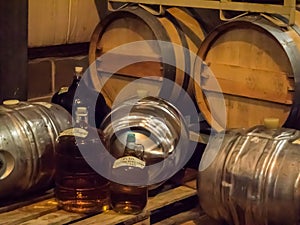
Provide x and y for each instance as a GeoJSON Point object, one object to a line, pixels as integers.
{"type": "Point", "coordinates": [101, 6]}
{"type": "Point", "coordinates": [287, 9]}
{"type": "Point", "coordinates": [13, 53]}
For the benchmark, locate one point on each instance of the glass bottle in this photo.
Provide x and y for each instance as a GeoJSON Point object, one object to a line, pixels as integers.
{"type": "Point", "coordinates": [129, 199]}
{"type": "Point", "coordinates": [65, 97]}
{"type": "Point", "coordinates": [78, 188]}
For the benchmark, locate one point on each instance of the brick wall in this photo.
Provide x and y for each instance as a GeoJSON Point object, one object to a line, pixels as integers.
{"type": "Point", "coordinates": [47, 75]}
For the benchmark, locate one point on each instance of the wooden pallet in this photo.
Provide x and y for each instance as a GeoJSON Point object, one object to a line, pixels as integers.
{"type": "Point", "coordinates": [175, 205]}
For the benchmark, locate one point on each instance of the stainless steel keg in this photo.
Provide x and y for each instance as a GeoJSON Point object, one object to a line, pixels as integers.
{"type": "Point", "coordinates": [254, 178]}
{"type": "Point", "coordinates": [28, 133]}
{"type": "Point", "coordinates": [158, 126]}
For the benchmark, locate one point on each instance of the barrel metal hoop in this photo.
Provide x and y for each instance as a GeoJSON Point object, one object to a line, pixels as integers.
{"type": "Point", "coordinates": [187, 58]}
{"type": "Point", "coordinates": [277, 135]}
{"type": "Point", "coordinates": [291, 51]}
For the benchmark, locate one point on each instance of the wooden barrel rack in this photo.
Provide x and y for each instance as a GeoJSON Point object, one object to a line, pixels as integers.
{"type": "Point", "coordinates": [173, 204]}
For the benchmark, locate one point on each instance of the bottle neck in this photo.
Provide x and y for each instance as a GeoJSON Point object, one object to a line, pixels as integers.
{"type": "Point", "coordinates": [133, 149]}
{"type": "Point", "coordinates": [81, 121]}
{"type": "Point", "coordinates": [76, 78]}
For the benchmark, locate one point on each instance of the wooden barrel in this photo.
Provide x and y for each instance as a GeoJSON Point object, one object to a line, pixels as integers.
{"type": "Point", "coordinates": [256, 64]}
{"type": "Point", "coordinates": [130, 25]}
{"type": "Point", "coordinates": [56, 22]}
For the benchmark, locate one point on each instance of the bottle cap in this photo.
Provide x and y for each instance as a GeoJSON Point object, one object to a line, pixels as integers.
{"type": "Point", "coordinates": [81, 111]}
{"type": "Point", "coordinates": [271, 123]}
{"type": "Point", "coordinates": [131, 137]}
{"type": "Point", "coordinates": [78, 69]}
{"type": "Point", "coordinates": [11, 102]}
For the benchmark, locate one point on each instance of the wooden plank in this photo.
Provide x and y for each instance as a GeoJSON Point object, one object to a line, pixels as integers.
{"type": "Point", "coordinates": [250, 82]}
{"type": "Point", "coordinates": [135, 65]}
{"type": "Point", "coordinates": [170, 197]}
{"type": "Point", "coordinates": [57, 217]}
{"type": "Point", "coordinates": [160, 200]}
{"type": "Point", "coordinates": [29, 212]}
{"type": "Point", "coordinates": [111, 218]}
{"type": "Point", "coordinates": [192, 184]}
{"type": "Point", "coordinates": [184, 218]}
{"type": "Point", "coordinates": [11, 205]}
{"type": "Point", "coordinates": [46, 211]}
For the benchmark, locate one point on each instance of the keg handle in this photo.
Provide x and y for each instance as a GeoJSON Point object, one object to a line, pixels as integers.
{"type": "Point", "coordinates": [161, 11]}
{"type": "Point", "coordinates": [224, 18]}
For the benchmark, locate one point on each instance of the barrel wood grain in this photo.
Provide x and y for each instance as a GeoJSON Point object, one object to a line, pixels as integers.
{"type": "Point", "coordinates": [132, 25]}
{"type": "Point", "coordinates": [253, 69]}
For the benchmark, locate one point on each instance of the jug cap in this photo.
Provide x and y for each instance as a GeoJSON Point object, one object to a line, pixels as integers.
{"type": "Point", "coordinates": [11, 102]}
{"type": "Point", "coordinates": [131, 137]}
{"type": "Point", "coordinates": [78, 69]}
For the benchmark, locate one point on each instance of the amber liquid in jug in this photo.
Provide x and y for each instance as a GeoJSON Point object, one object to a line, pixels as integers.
{"type": "Point", "coordinates": [78, 187]}
{"type": "Point", "coordinates": [129, 199]}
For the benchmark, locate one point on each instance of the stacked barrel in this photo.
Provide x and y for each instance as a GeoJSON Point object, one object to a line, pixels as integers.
{"type": "Point", "coordinates": [238, 73]}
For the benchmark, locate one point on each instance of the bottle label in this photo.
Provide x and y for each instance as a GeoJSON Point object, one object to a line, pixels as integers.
{"type": "Point", "coordinates": [129, 161]}
{"type": "Point", "coordinates": [63, 90]}
{"type": "Point", "coordinates": [77, 132]}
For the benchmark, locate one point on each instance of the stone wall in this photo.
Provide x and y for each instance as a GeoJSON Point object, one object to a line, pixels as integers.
{"type": "Point", "coordinates": [47, 75]}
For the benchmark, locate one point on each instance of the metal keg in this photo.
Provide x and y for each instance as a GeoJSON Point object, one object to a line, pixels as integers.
{"type": "Point", "coordinates": [28, 133]}
{"type": "Point", "coordinates": [253, 178]}
{"type": "Point", "coordinates": [158, 126]}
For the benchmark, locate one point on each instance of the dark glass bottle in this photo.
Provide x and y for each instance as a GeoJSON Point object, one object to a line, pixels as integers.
{"type": "Point", "coordinates": [129, 199]}
{"type": "Point", "coordinates": [66, 98]}
{"type": "Point", "coordinates": [78, 188]}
